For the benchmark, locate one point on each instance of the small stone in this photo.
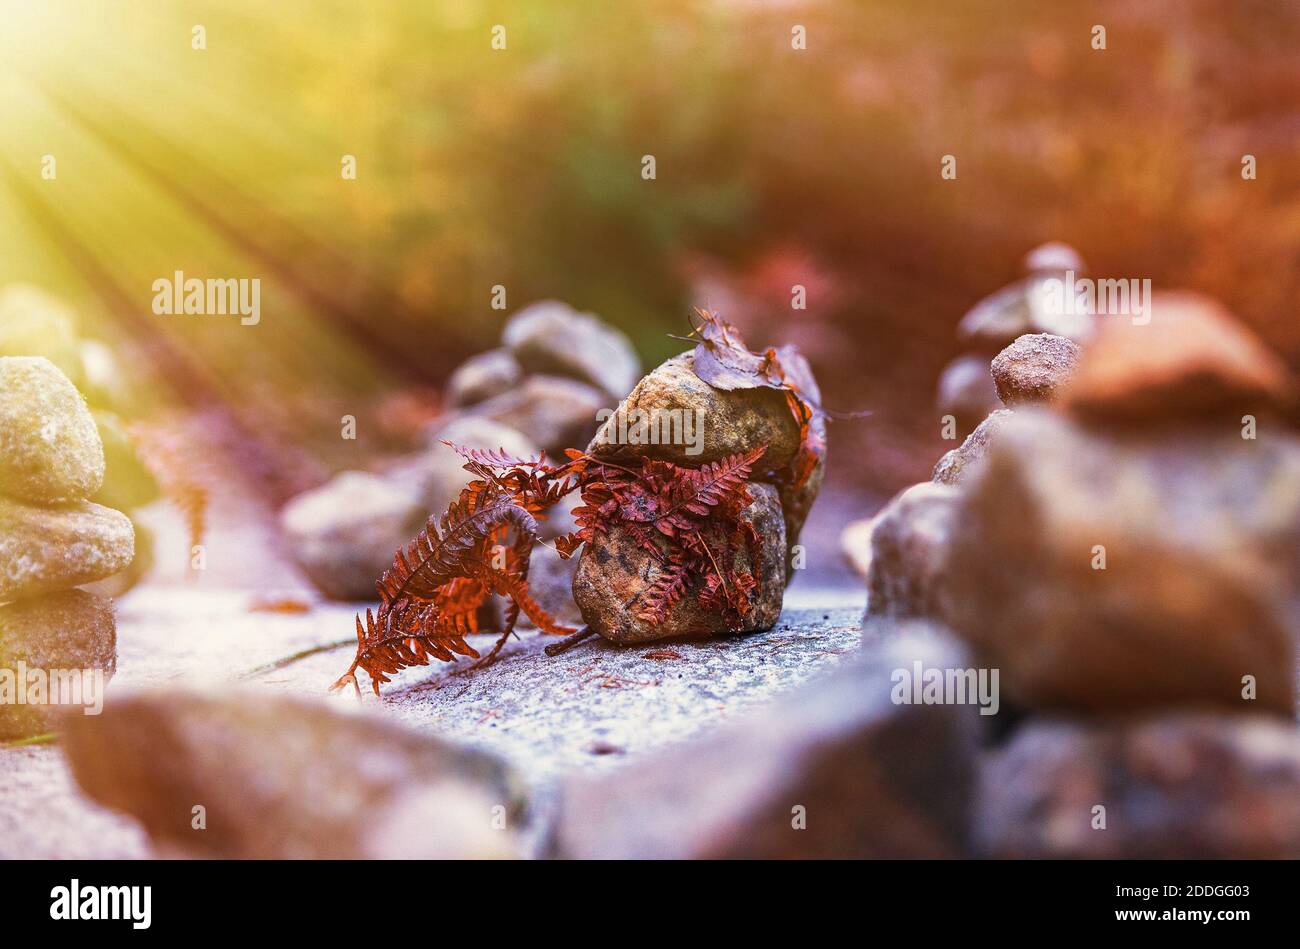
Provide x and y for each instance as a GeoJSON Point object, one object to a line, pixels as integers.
{"type": "Point", "coordinates": [966, 391]}
{"type": "Point", "coordinates": [952, 467]}
{"type": "Point", "coordinates": [550, 583]}
{"type": "Point", "coordinates": [1029, 305]}
{"type": "Point", "coordinates": [127, 482]}
{"type": "Point", "coordinates": [721, 423]}
{"type": "Point", "coordinates": [71, 631]}
{"type": "Point", "coordinates": [345, 533]}
{"type": "Point", "coordinates": [46, 549]}
{"type": "Point", "coordinates": [551, 337]}
{"type": "Point", "coordinates": [483, 376]}
{"type": "Point", "coordinates": [1034, 367]}
{"type": "Point", "coordinates": [550, 411]}
{"type": "Point", "coordinates": [908, 565]}
{"type": "Point", "coordinates": [49, 447]}
{"type": "Point", "coordinates": [614, 574]}
{"type": "Point", "coordinates": [1174, 787]}
{"type": "Point", "coordinates": [1192, 359]}
{"type": "Point", "coordinates": [437, 475]}
{"type": "Point", "coordinates": [33, 323]}
{"type": "Point", "coordinates": [286, 778]}
{"type": "Point", "coordinates": [834, 770]}
{"type": "Point", "coordinates": [1054, 256]}
{"type": "Point", "coordinates": [1108, 572]}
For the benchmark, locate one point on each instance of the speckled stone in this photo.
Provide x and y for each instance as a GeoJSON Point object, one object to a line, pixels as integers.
{"type": "Point", "coordinates": [72, 630]}
{"type": "Point", "coordinates": [46, 549]}
{"type": "Point", "coordinates": [1034, 367]}
{"type": "Point", "coordinates": [34, 323]}
{"type": "Point", "coordinates": [49, 447]}
{"type": "Point", "coordinates": [614, 574]}
{"type": "Point", "coordinates": [732, 422]}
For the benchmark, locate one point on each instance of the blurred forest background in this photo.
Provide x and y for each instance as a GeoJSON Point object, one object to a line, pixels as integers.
{"type": "Point", "coordinates": [478, 167]}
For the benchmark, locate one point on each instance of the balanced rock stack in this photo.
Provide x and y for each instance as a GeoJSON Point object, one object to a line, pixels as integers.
{"type": "Point", "coordinates": [542, 390]}
{"type": "Point", "coordinates": [1123, 539]}
{"type": "Point", "coordinates": [36, 323]}
{"type": "Point", "coordinates": [52, 537]}
{"type": "Point", "coordinates": [965, 390]}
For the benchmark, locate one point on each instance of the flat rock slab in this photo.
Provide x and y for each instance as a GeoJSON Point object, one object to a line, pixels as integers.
{"type": "Point", "coordinates": [590, 708]}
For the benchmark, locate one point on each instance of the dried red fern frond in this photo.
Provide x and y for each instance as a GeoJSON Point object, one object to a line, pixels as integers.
{"type": "Point", "coordinates": [429, 598]}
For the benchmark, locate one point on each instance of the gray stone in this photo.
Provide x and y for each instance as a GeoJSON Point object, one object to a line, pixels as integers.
{"type": "Point", "coordinates": [1199, 534]}
{"type": "Point", "coordinates": [614, 574]}
{"type": "Point", "coordinates": [483, 376]}
{"type": "Point", "coordinates": [1034, 367]}
{"type": "Point", "coordinates": [866, 776]}
{"type": "Point", "coordinates": [1174, 787]}
{"type": "Point", "coordinates": [908, 566]}
{"type": "Point", "coordinates": [952, 467]}
{"type": "Point", "coordinates": [550, 582]}
{"type": "Point", "coordinates": [33, 323]}
{"type": "Point", "coordinates": [550, 411]}
{"type": "Point", "coordinates": [49, 448]}
{"type": "Point", "coordinates": [344, 534]}
{"type": "Point", "coordinates": [437, 474]}
{"type": "Point", "coordinates": [290, 778]}
{"type": "Point", "coordinates": [966, 391]}
{"type": "Point", "coordinates": [46, 549]}
{"type": "Point", "coordinates": [1026, 306]}
{"type": "Point", "coordinates": [62, 633]}
{"type": "Point", "coordinates": [724, 422]}
{"type": "Point", "coordinates": [551, 337]}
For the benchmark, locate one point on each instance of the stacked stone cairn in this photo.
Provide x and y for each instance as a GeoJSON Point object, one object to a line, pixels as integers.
{"type": "Point", "coordinates": [1121, 541]}
{"type": "Point", "coordinates": [53, 540]}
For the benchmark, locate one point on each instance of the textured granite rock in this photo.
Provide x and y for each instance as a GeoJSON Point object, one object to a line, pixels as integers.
{"type": "Point", "coordinates": [614, 574]}
{"type": "Point", "coordinates": [46, 549]}
{"type": "Point", "coordinates": [1033, 368]}
{"type": "Point", "coordinates": [724, 422]}
{"type": "Point", "coordinates": [65, 633]}
{"type": "Point", "coordinates": [49, 447]}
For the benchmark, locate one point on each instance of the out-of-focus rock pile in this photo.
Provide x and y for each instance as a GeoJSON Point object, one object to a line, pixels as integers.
{"type": "Point", "coordinates": [1123, 539]}
{"type": "Point", "coordinates": [542, 390]}
{"type": "Point", "coordinates": [53, 538]}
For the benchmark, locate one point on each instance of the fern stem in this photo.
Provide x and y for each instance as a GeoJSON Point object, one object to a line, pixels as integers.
{"type": "Point", "coordinates": [568, 642]}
